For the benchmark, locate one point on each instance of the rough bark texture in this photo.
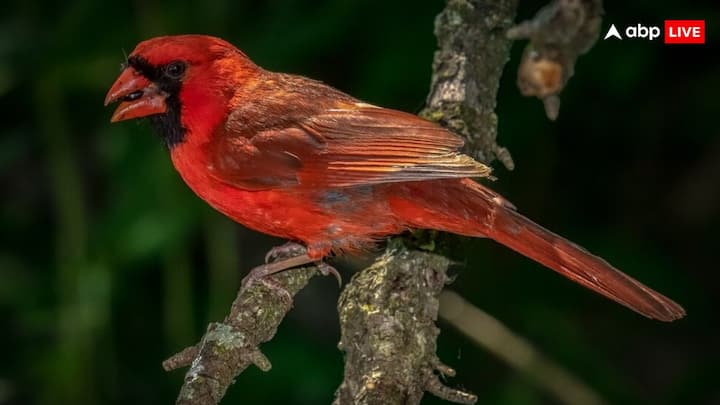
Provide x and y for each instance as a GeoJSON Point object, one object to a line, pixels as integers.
{"type": "Point", "coordinates": [228, 348]}
{"type": "Point", "coordinates": [388, 332]}
{"type": "Point", "coordinates": [388, 312]}
{"type": "Point", "coordinates": [472, 51]}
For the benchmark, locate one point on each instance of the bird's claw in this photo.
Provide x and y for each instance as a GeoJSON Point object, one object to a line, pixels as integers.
{"type": "Point", "coordinates": [281, 258]}
{"type": "Point", "coordinates": [326, 269]}
{"type": "Point", "coordinates": [258, 274]}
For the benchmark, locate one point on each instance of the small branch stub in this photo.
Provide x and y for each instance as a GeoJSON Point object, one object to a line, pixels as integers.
{"type": "Point", "coordinates": [559, 33]}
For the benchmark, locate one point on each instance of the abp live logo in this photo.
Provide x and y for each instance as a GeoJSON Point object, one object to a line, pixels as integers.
{"type": "Point", "coordinates": [684, 31]}
{"type": "Point", "coordinates": [676, 32]}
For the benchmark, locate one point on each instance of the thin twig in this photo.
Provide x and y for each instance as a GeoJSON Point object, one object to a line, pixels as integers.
{"type": "Point", "coordinates": [499, 340]}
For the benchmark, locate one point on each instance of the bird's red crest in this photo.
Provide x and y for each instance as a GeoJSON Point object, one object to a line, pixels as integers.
{"type": "Point", "coordinates": [195, 49]}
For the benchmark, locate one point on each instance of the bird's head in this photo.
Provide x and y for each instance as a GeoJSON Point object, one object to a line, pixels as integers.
{"type": "Point", "coordinates": [182, 83]}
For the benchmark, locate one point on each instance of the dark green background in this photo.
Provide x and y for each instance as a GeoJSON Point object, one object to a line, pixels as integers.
{"type": "Point", "coordinates": [108, 263]}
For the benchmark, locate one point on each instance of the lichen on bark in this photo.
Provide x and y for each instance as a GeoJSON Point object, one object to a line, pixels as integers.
{"type": "Point", "coordinates": [229, 347]}
{"type": "Point", "coordinates": [472, 52]}
{"type": "Point", "coordinates": [388, 333]}
{"type": "Point", "coordinates": [387, 312]}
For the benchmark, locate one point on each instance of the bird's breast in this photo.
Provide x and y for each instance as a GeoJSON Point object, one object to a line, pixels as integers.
{"type": "Point", "coordinates": [336, 218]}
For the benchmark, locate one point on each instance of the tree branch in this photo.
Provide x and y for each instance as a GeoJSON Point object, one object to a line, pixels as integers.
{"type": "Point", "coordinates": [473, 49]}
{"type": "Point", "coordinates": [387, 316]}
{"type": "Point", "coordinates": [228, 348]}
{"type": "Point", "coordinates": [520, 354]}
{"type": "Point", "coordinates": [388, 311]}
{"type": "Point", "coordinates": [559, 33]}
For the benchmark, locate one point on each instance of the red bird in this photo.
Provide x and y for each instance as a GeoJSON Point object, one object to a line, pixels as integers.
{"type": "Point", "coordinates": [295, 158]}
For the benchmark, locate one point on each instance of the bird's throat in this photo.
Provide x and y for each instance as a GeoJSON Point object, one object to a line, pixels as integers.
{"type": "Point", "coordinates": [169, 125]}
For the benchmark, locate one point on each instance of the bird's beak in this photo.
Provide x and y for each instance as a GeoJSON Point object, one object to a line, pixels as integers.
{"type": "Point", "coordinates": [138, 96]}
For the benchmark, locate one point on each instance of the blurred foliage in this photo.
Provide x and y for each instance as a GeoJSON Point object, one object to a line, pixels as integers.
{"type": "Point", "coordinates": [108, 263]}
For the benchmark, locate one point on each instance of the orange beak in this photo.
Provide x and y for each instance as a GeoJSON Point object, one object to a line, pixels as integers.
{"type": "Point", "coordinates": [138, 96]}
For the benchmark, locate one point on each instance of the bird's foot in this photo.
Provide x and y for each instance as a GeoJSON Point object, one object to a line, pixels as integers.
{"type": "Point", "coordinates": [259, 273]}
{"type": "Point", "coordinates": [290, 249]}
{"type": "Point", "coordinates": [282, 258]}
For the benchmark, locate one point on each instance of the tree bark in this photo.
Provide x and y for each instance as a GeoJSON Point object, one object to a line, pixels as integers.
{"type": "Point", "coordinates": [472, 51]}
{"type": "Point", "coordinates": [388, 332]}
{"type": "Point", "coordinates": [388, 311]}
{"type": "Point", "coordinates": [229, 347]}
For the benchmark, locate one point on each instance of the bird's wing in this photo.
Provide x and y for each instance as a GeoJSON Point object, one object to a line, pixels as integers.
{"type": "Point", "coordinates": [346, 145]}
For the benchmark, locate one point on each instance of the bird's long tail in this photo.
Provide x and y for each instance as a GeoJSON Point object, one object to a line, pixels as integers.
{"type": "Point", "coordinates": [468, 208]}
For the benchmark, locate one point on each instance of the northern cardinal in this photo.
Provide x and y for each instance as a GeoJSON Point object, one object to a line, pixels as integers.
{"type": "Point", "coordinates": [292, 157]}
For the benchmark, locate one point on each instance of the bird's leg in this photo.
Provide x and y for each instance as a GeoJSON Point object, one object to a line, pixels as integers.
{"type": "Point", "coordinates": [267, 269]}
{"type": "Point", "coordinates": [285, 257]}
{"type": "Point", "coordinates": [289, 249]}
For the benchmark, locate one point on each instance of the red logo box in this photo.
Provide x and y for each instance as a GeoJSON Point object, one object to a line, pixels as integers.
{"type": "Point", "coordinates": [684, 31]}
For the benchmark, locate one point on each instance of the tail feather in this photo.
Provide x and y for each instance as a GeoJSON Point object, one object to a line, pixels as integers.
{"type": "Point", "coordinates": [572, 261]}
{"type": "Point", "coordinates": [466, 202]}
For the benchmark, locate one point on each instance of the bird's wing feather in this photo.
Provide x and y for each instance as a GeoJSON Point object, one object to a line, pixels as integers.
{"type": "Point", "coordinates": [345, 145]}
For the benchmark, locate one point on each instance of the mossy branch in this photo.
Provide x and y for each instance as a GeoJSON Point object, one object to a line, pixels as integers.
{"type": "Point", "coordinates": [388, 311]}
{"type": "Point", "coordinates": [229, 347]}
{"type": "Point", "coordinates": [388, 333]}
{"type": "Point", "coordinates": [472, 51]}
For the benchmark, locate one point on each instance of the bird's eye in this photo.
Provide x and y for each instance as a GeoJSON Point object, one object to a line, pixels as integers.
{"type": "Point", "coordinates": [175, 70]}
